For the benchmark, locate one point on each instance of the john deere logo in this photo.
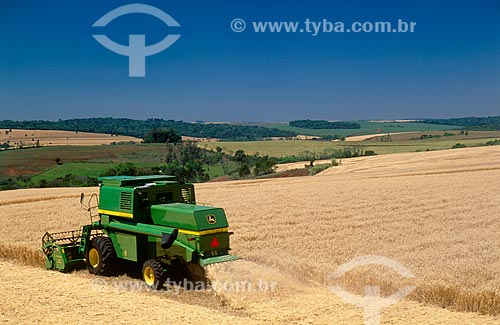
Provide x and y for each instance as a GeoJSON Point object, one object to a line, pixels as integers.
{"type": "Point", "coordinates": [211, 219]}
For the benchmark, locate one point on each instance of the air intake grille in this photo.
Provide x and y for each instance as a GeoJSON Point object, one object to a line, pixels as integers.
{"type": "Point", "coordinates": [126, 201]}
{"type": "Point", "coordinates": [187, 196]}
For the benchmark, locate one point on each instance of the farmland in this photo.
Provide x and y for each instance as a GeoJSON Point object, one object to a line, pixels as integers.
{"type": "Point", "coordinates": [367, 127]}
{"type": "Point", "coordinates": [434, 212]}
{"type": "Point", "coordinates": [36, 160]}
{"type": "Point", "coordinates": [88, 161]}
{"type": "Point", "coordinates": [52, 162]}
{"type": "Point", "coordinates": [18, 137]}
{"type": "Point", "coordinates": [284, 148]}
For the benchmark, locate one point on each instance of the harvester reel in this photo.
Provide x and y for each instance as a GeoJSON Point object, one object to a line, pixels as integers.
{"type": "Point", "coordinates": [101, 256]}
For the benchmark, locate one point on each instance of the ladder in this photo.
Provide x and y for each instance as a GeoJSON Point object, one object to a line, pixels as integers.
{"type": "Point", "coordinates": [86, 231]}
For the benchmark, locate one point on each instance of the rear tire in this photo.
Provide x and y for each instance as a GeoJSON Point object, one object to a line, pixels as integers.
{"type": "Point", "coordinates": [154, 274]}
{"type": "Point", "coordinates": [196, 273]}
{"type": "Point", "coordinates": [101, 257]}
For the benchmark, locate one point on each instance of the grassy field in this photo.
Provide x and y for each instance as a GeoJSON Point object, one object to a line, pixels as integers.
{"type": "Point", "coordinates": [283, 148]}
{"type": "Point", "coordinates": [366, 128]}
{"type": "Point", "coordinates": [434, 212]}
{"type": "Point", "coordinates": [33, 161]}
{"type": "Point", "coordinates": [89, 169]}
{"type": "Point", "coordinates": [81, 169]}
{"type": "Point", "coordinates": [88, 161]}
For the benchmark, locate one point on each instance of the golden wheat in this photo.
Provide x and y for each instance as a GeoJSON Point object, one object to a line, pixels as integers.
{"type": "Point", "coordinates": [56, 137]}
{"type": "Point", "coordinates": [436, 213]}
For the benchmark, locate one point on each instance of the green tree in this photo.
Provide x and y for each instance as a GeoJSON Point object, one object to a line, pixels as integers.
{"type": "Point", "coordinates": [244, 170]}
{"type": "Point", "coordinates": [322, 124]}
{"type": "Point", "coordinates": [240, 156]}
{"type": "Point", "coordinates": [127, 169]}
{"type": "Point", "coordinates": [264, 165]}
{"type": "Point", "coordinates": [219, 155]}
{"type": "Point", "coordinates": [185, 161]}
{"type": "Point", "coordinates": [162, 136]}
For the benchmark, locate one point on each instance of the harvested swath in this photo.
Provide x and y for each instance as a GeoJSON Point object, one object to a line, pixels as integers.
{"type": "Point", "coordinates": [33, 295]}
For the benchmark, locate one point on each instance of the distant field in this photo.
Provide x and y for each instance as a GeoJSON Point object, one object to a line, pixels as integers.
{"type": "Point", "coordinates": [294, 147]}
{"type": "Point", "coordinates": [435, 135]}
{"type": "Point", "coordinates": [88, 169]}
{"type": "Point", "coordinates": [76, 168]}
{"type": "Point", "coordinates": [366, 128]}
{"type": "Point", "coordinates": [421, 163]}
{"type": "Point", "coordinates": [96, 169]}
{"type": "Point", "coordinates": [55, 137]}
{"type": "Point", "coordinates": [90, 161]}
{"type": "Point", "coordinates": [36, 160]}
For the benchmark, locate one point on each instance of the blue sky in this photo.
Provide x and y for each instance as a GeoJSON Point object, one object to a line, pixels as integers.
{"type": "Point", "coordinates": [52, 68]}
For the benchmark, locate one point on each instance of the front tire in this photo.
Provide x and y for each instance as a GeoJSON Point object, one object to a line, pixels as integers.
{"type": "Point", "coordinates": [101, 256]}
{"type": "Point", "coordinates": [153, 273]}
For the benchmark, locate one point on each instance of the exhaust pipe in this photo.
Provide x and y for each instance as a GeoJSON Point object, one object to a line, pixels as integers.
{"type": "Point", "coordinates": [168, 239]}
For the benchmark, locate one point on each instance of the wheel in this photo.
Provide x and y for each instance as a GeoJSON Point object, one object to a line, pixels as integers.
{"type": "Point", "coordinates": [153, 274]}
{"type": "Point", "coordinates": [101, 256]}
{"type": "Point", "coordinates": [196, 273]}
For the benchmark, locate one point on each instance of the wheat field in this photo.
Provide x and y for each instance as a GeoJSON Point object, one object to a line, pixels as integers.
{"type": "Point", "coordinates": [436, 213]}
{"type": "Point", "coordinates": [56, 137]}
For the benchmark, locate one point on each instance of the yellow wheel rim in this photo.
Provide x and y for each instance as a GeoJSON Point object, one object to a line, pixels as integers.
{"type": "Point", "coordinates": [93, 257]}
{"type": "Point", "coordinates": [149, 275]}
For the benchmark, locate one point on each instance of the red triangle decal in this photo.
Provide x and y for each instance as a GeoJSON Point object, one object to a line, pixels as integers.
{"type": "Point", "coordinates": [215, 243]}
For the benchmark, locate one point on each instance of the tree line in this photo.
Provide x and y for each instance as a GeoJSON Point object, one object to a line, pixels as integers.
{"type": "Point", "coordinates": [140, 128]}
{"type": "Point", "coordinates": [323, 124]}
{"type": "Point", "coordinates": [472, 123]}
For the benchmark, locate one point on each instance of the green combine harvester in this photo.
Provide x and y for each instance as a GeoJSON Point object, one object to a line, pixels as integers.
{"type": "Point", "coordinates": [151, 220]}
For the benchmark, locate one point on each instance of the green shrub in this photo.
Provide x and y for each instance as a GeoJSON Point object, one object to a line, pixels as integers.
{"type": "Point", "coordinates": [319, 168]}
{"type": "Point", "coordinates": [458, 146]}
{"type": "Point", "coordinates": [370, 153]}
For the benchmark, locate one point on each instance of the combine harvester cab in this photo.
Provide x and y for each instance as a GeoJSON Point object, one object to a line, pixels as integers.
{"type": "Point", "coordinates": [150, 220]}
